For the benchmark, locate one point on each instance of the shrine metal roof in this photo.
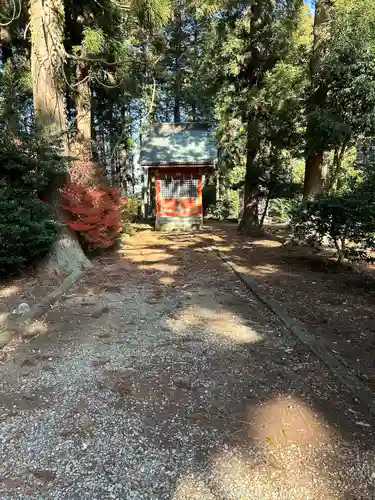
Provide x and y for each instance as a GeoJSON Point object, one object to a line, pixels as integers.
{"type": "Point", "coordinates": [179, 144]}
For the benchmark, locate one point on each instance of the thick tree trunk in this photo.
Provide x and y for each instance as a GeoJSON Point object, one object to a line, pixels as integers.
{"type": "Point", "coordinates": [83, 104]}
{"type": "Point", "coordinates": [314, 160]}
{"type": "Point", "coordinates": [177, 106]}
{"type": "Point", "coordinates": [250, 216]}
{"type": "Point", "coordinates": [47, 65]}
{"type": "Point", "coordinates": [83, 147]}
{"type": "Point", "coordinates": [178, 68]}
{"type": "Point", "coordinates": [47, 62]}
{"type": "Point", "coordinates": [313, 175]}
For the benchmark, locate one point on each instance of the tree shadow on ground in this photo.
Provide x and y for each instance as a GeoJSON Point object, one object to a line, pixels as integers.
{"type": "Point", "coordinates": [336, 301]}
{"type": "Point", "coordinates": [237, 407]}
{"type": "Point", "coordinates": [254, 383]}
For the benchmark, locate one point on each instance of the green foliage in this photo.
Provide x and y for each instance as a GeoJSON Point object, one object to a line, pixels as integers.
{"type": "Point", "coordinates": [282, 107]}
{"type": "Point", "coordinates": [15, 94]}
{"type": "Point", "coordinates": [31, 161]}
{"type": "Point", "coordinates": [346, 222]}
{"type": "Point", "coordinates": [245, 66]}
{"type": "Point", "coordinates": [93, 40]}
{"type": "Point", "coordinates": [209, 196]}
{"type": "Point", "coordinates": [260, 108]}
{"type": "Point", "coordinates": [345, 71]}
{"type": "Point", "coordinates": [28, 164]}
{"type": "Point", "coordinates": [225, 208]}
{"type": "Point", "coordinates": [281, 208]}
{"type": "Point", "coordinates": [130, 208]}
{"type": "Point", "coordinates": [151, 13]}
{"type": "Point", "coordinates": [27, 229]}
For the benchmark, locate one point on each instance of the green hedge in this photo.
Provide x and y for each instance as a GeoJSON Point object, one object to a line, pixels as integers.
{"type": "Point", "coordinates": [27, 228]}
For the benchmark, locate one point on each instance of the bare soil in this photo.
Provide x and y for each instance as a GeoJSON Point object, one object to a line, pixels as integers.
{"type": "Point", "coordinates": [336, 303]}
{"type": "Point", "coordinates": [28, 287]}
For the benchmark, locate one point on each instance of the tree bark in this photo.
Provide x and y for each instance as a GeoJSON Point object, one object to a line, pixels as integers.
{"type": "Point", "coordinates": [83, 147]}
{"type": "Point", "coordinates": [264, 213]}
{"type": "Point", "coordinates": [177, 105]}
{"type": "Point", "coordinates": [47, 62]}
{"type": "Point", "coordinates": [83, 104]}
{"type": "Point", "coordinates": [178, 69]}
{"type": "Point", "coordinates": [253, 72]}
{"type": "Point", "coordinates": [250, 216]}
{"type": "Point", "coordinates": [47, 66]}
{"type": "Point", "coordinates": [313, 184]}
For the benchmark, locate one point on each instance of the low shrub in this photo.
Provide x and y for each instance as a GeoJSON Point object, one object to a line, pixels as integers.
{"type": "Point", "coordinates": [95, 214]}
{"type": "Point", "coordinates": [27, 228]}
{"type": "Point", "coordinates": [130, 208]}
{"type": "Point", "coordinates": [280, 209]}
{"type": "Point", "coordinates": [226, 208]}
{"type": "Point", "coordinates": [346, 223]}
{"type": "Point", "coordinates": [129, 212]}
{"type": "Point", "coordinates": [31, 161]}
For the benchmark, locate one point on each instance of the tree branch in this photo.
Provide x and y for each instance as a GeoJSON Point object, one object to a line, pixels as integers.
{"type": "Point", "coordinates": [14, 15]}
{"type": "Point", "coordinates": [89, 59]}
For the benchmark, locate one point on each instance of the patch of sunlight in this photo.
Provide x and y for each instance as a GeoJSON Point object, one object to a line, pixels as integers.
{"type": "Point", "coordinates": [166, 280]}
{"type": "Point", "coordinates": [226, 248]}
{"type": "Point", "coordinates": [214, 320]}
{"type": "Point", "coordinates": [238, 475]}
{"type": "Point", "coordinates": [215, 237]}
{"type": "Point", "coordinates": [192, 488]}
{"type": "Point", "coordinates": [36, 328]}
{"type": "Point", "coordinates": [266, 243]}
{"type": "Point", "coordinates": [282, 457]}
{"type": "Point", "coordinates": [3, 317]}
{"type": "Point", "coordinates": [263, 270]}
{"type": "Point", "coordinates": [152, 257]}
{"type": "Point", "coordinates": [9, 291]}
{"type": "Point", "coordinates": [164, 268]}
{"type": "Point", "coordinates": [286, 420]}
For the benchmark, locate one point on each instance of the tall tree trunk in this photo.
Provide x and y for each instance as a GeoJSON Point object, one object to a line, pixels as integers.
{"type": "Point", "coordinates": [254, 72]}
{"type": "Point", "coordinates": [250, 216]}
{"type": "Point", "coordinates": [47, 65]}
{"type": "Point", "coordinates": [83, 104]}
{"type": "Point", "coordinates": [47, 62]}
{"type": "Point", "coordinates": [177, 104]}
{"type": "Point", "coordinates": [83, 147]}
{"type": "Point", "coordinates": [178, 69]}
{"type": "Point", "coordinates": [313, 184]}
{"type": "Point", "coordinates": [122, 170]}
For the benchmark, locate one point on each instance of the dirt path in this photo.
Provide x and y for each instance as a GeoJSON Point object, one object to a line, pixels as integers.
{"type": "Point", "coordinates": [161, 377]}
{"type": "Point", "coordinates": [335, 303]}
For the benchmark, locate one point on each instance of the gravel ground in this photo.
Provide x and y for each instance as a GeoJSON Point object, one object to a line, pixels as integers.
{"type": "Point", "coordinates": [161, 377]}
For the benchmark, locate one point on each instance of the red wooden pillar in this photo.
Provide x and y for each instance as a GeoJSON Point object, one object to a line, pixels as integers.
{"type": "Point", "coordinates": [200, 195]}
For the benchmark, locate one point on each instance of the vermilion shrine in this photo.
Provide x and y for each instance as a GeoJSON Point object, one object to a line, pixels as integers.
{"type": "Point", "coordinates": [176, 159]}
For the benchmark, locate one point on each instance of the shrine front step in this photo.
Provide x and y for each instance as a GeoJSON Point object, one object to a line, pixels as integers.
{"type": "Point", "coordinates": [187, 223]}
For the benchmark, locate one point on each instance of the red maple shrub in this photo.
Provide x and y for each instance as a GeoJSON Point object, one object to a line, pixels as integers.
{"type": "Point", "coordinates": [95, 213]}
{"type": "Point", "coordinates": [95, 210]}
